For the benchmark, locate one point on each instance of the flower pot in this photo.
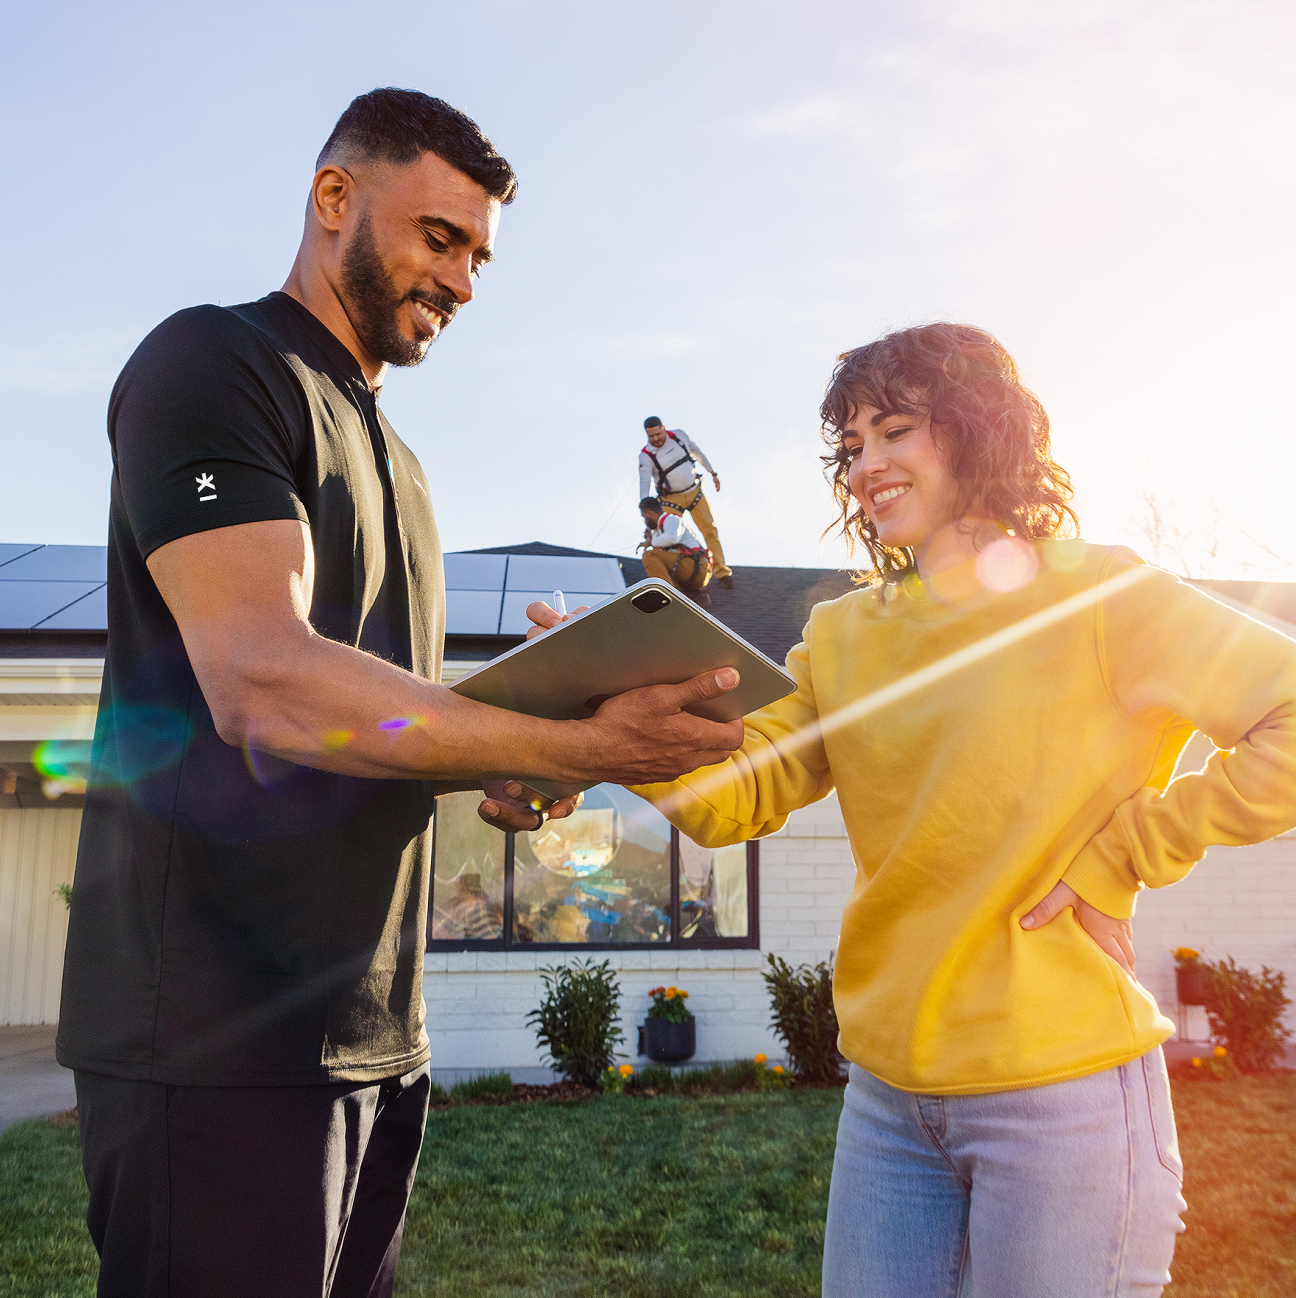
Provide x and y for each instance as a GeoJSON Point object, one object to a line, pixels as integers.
{"type": "Point", "coordinates": [669, 1043]}
{"type": "Point", "coordinates": [1191, 984]}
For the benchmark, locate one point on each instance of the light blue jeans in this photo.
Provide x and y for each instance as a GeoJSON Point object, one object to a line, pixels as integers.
{"type": "Point", "coordinates": [1063, 1191]}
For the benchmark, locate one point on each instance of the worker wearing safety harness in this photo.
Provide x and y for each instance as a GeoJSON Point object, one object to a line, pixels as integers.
{"type": "Point", "coordinates": [668, 469]}
{"type": "Point", "coordinates": [673, 549]}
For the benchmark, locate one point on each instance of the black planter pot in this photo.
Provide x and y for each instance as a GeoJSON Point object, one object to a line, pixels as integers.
{"type": "Point", "coordinates": [1191, 984]}
{"type": "Point", "coordinates": [665, 1042]}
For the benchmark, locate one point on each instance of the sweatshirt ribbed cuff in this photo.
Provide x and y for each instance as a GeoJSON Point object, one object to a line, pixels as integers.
{"type": "Point", "coordinates": [1104, 879]}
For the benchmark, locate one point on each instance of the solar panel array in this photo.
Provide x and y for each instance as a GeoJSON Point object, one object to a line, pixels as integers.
{"type": "Point", "coordinates": [53, 587]}
{"type": "Point", "coordinates": [487, 594]}
{"type": "Point", "coordinates": [63, 588]}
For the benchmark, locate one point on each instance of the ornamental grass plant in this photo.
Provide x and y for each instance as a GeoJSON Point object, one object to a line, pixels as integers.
{"type": "Point", "coordinates": [482, 1087]}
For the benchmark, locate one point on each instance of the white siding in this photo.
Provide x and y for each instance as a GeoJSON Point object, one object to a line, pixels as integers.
{"type": "Point", "coordinates": [37, 853]}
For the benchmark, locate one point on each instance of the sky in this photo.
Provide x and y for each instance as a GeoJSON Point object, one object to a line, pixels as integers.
{"type": "Point", "coordinates": [716, 199]}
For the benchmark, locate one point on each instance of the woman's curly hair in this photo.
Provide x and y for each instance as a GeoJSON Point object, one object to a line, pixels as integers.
{"type": "Point", "coordinates": [992, 430]}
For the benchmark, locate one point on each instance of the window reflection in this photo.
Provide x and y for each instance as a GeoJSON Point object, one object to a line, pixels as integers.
{"type": "Point", "coordinates": [468, 872]}
{"type": "Point", "coordinates": [713, 890]}
{"type": "Point", "coordinates": [599, 875]}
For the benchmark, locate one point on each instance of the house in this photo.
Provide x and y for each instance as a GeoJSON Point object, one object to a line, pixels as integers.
{"type": "Point", "coordinates": [505, 906]}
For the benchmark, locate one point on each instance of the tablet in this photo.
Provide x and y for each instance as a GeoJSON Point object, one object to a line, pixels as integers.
{"type": "Point", "coordinates": [650, 634]}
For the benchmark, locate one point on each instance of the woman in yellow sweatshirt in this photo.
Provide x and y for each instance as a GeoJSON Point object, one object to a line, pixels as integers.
{"type": "Point", "coordinates": [1000, 713]}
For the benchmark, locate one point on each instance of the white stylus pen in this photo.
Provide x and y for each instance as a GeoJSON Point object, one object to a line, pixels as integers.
{"type": "Point", "coordinates": [560, 604]}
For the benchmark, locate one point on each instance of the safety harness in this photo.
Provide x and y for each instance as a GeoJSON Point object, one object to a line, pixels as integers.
{"type": "Point", "coordinates": [699, 555]}
{"type": "Point", "coordinates": [663, 487]}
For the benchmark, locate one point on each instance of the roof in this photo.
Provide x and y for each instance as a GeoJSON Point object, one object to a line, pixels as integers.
{"type": "Point", "coordinates": [53, 597]}
{"type": "Point", "coordinates": [767, 607]}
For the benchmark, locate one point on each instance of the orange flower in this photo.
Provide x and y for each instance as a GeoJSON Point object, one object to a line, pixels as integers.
{"type": "Point", "coordinates": [1197, 1063]}
{"type": "Point", "coordinates": [1220, 1052]}
{"type": "Point", "coordinates": [760, 1059]}
{"type": "Point", "coordinates": [626, 1069]}
{"type": "Point", "coordinates": [683, 993]}
{"type": "Point", "coordinates": [778, 1068]}
{"type": "Point", "coordinates": [670, 993]}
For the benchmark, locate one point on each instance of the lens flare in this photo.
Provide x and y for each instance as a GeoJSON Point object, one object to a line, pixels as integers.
{"type": "Point", "coordinates": [850, 713]}
{"type": "Point", "coordinates": [142, 741]}
{"type": "Point", "coordinates": [395, 724]}
{"type": "Point", "coordinates": [60, 759]}
{"type": "Point", "coordinates": [1007, 564]}
{"type": "Point", "coordinates": [334, 740]}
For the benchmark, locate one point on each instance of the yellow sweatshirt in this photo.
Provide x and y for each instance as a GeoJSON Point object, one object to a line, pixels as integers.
{"type": "Point", "coordinates": [984, 748]}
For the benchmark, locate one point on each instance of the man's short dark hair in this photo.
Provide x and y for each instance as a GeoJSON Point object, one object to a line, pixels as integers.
{"type": "Point", "coordinates": [399, 126]}
{"type": "Point", "coordinates": [650, 503]}
{"type": "Point", "coordinates": [652, 422]}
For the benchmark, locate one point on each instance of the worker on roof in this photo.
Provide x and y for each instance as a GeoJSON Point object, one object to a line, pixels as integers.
{"type": "Point", "coordinates": [673, 549]}
{"type": "Point", "coordinates": [668, 469]}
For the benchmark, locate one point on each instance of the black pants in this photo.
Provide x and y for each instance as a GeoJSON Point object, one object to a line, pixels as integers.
{"type": "Point", "coordinates": [245, 1192]}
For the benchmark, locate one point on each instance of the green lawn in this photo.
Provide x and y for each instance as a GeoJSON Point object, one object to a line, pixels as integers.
{"type": "Point", "coordinates": [675, 1196]}
{"type": "Point", "coordinates": [672, 1196]}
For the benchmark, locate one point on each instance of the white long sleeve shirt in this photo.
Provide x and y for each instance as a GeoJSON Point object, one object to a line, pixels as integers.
{"type": "Point", "coordinates": [674, 530]}
{"type": "Point", "coordinates": [674, 462]}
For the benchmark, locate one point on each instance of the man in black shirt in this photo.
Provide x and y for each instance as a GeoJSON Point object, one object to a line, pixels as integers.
{"type": "Point", "coordinates": [242, 987]}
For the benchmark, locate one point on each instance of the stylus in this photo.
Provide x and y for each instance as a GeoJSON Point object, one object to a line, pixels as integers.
{"type": "Point", "coordinates": [560, 604]}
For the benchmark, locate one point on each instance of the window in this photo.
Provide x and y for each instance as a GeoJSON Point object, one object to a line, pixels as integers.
{"type": "Point", "coordinates": [613, 875]}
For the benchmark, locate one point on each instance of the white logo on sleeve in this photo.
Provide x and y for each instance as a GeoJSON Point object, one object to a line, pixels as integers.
{"type": "Point", "coordinates": [206, 483]}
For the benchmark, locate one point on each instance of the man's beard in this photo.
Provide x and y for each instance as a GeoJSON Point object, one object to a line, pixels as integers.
{"type": "Point", "coordinates": [373, 302]}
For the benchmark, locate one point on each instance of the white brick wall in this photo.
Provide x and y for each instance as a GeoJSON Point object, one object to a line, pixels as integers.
{"type": "Point", "coordinates": [1239, 902]}
{"type": "Point", "coordinates": [477, 1002]}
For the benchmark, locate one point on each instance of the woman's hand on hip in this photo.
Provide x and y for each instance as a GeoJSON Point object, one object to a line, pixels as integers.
{"type": "Point", "coordinates": [1114, 936]}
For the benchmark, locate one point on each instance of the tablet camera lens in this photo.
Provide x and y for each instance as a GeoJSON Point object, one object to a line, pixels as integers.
{"type": "Point", "coordinates": [651, 601]}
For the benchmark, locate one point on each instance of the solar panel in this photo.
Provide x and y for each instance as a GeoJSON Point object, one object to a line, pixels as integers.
{"type": "Point", "coordinates": [472, 612]}
{"type": "Point", "coordinates": [10, 551]}
{"type": "Point", "coordinates": [60, 563]}
{"type": "Point", "coordinates": [24, 604]}
{"type": "Point", "coordinates": [475, 572]}
{"type": "Point", "coordinates": [89, 613]}
{"type": "Point", "coordinates": [564, 572]}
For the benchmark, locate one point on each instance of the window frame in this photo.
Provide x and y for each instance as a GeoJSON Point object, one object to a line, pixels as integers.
{"type": "Point", "coordinates": [675, 942]}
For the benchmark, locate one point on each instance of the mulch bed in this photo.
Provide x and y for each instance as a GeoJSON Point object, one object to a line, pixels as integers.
{"type": "Point", "coordinates": [524, 1093]}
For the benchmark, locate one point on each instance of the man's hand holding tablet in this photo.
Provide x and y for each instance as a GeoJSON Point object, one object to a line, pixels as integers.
{"type": "Point", "coordinates": [647, 729]}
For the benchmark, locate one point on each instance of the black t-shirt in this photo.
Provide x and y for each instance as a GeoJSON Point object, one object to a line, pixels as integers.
{"type": "Point", "coordinates": [239, 919]}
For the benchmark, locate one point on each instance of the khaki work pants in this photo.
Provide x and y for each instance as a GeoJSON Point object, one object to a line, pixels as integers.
{"type": "Point", "coordinates": [683, 571]}
{"type": "Point", "coordinates": [701, 512]}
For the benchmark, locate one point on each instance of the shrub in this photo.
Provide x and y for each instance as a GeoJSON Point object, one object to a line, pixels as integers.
{"type": "Point", "coordinates": [1245, 1011]}
{"type": "Point", "coordinates": [484, 1086]}
{"type": "Point", "coordinates": [804, 1019]}
{"type": "Point", "coordinates": [577, 1021]}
